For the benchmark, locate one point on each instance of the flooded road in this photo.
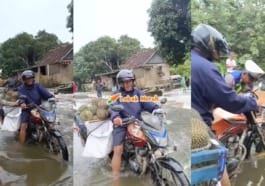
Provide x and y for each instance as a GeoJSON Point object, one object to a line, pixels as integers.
{"type": "Point", "coordinates": [252, 172]}
{"type": "Point", "coordinates": [32, 165]}
{"type": "Point", "coordinates": [94, 172]}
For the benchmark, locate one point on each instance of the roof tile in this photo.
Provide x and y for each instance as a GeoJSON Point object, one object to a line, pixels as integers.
{"type": "Point", "coordinates": [139, 59]}
{"type": "Point", "coordinates": [56, 55]}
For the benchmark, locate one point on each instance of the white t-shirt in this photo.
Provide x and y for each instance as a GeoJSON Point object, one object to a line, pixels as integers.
{"type": "Point", "coordinates": [230, 65]}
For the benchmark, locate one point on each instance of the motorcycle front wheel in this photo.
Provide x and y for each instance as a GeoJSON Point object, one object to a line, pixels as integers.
{"type": "Point", "coordinates": [167, 171]}
{"type": "Point", "coordinates": [58, 145]}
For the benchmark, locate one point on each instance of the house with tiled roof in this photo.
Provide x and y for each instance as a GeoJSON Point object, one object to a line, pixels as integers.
{"type": "Point", "coordinates": [149, 67]}
{"type": "Point", "coordinates": [56, 66]}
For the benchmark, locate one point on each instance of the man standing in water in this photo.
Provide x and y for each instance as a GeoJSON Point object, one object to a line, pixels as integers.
{"type": "Point", "coordinates": [126, 82]}
{"type": "Point", "coordinates": [35, 93]}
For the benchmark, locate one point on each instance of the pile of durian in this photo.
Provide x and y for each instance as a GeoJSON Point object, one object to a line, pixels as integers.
{"type": "Point", "coordinates": [96, 111]}
{"type": "Point", "coordinates": [8, 98]}
{"type": "Point", "coordinates": [199, 135]}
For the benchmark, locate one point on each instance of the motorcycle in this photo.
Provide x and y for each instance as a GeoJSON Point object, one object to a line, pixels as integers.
{"type": "Point", "coordinates": [240, 134]}
{"type": "Point", "coordinates": [41, 128]}
{"type": "Point", "coordinates": [146, 149]}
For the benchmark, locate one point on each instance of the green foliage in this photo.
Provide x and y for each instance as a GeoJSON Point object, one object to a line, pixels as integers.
{"type": "Point", "coordinates": [182, 69]}
{"type": "Point", "coordinates": [17, 53]}
{"type": "Point", "coordinates": [24, 50]}
{"type": "Point", "coordinates": [127, 46]}
{"type": "Point", "coordinates": [240, 21]}
{"type": "Point", "coordinates": [169, 24]}
{"type": "Point", "coordinates": [221, 67]}
{"type": "Point", "coordinates": [103, 55]}
{"type": "Point", "coordinates": [242, 59]}
{"type": "Point", "coordinates": [173, 70]}
{"type": "Point", "coordinates": [44, 42]}
{"type": "Point", "coordinates": [70, 21]}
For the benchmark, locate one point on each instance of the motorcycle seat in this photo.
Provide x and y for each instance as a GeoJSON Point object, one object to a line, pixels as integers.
{"type": "Point", "coordinates": [220, 113]}
{"type": "Point", "coordinates": [237, 117]}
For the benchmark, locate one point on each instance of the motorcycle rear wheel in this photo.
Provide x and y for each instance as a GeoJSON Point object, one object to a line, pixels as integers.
{"type": "Point", "coordinates": [168, 175]}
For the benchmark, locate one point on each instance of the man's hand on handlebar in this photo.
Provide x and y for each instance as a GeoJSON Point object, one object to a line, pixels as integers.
{"type": "Point", "coordinates": [250, 94]}
{"type": "Point", "coordinates": [23, 106]}
{"type": "Point", "coordinates": [117, 121]}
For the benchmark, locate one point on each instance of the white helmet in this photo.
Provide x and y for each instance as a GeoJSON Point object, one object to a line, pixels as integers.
{"type": "Point", "coordinates": [253, 69]}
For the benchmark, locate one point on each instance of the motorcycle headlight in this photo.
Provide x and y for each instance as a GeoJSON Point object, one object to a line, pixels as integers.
{"type": "Point", "coordinates": [53, 106]}
{"type": "Point", "coordinates": [161, 141]}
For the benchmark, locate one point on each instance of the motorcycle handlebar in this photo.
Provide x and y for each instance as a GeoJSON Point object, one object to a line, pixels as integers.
{"type": "Point", "coordinates": [32, 105]}
{"type": "Point", "coordinates": [251, 94]}
{"type": "Point", "coordinates": [250, 116]}
{"type": "Point", "coordinates": [128, 120]}
{"type": "Point", "coordinates": [29, 105]}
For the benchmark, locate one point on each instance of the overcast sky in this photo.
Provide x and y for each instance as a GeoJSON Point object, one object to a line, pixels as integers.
{"type": "Point", "coordinates": [30, 16]}
{"type": "Point", "coordinates": [96, 18]}
{"type": "Point", "coordinates": [92, 19]}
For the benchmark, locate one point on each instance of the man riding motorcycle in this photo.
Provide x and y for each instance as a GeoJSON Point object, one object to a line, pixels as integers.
{"type": "Point", "coordinates": [209, 89]}
{"type": "Point", "coordinates": [35, 93]}
{"type": "Point", "coordinates": [243, 80]}
{"type": "Point", "coordinates": [126, 81]}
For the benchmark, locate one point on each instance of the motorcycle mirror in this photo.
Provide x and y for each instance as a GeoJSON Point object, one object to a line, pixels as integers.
{"type": "Point", "coordinates": [51, 100]}
{"type": "Point", "coordinates": [117, 108]}
{"type": "Point", "coordinates": [163, 100]}
{"type": "Point", "coordinates": [259, 87]}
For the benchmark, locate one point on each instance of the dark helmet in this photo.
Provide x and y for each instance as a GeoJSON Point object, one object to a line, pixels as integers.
{"type": "Point", "coordinates": [27, 74]}
{"type": "Point", "coordinates": [209, 41]}
{"type": "Point", "coordinates": [125, 75]}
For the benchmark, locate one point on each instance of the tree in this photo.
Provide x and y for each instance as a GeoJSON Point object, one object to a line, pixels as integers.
{"type": "Point", "coordinates": [96, 57]}
{"type": "Point", "coordinates": [240, 21]}
{"type": "Point", "coordinates": [169, 24]}
{"type": "Point", "coordinates": [24, 50]}
{"type": "Point", "coordinates": [126, 47]}
{"type": "Point", "coordinates": [103, 55]}
{"type": "Point", "coordinates": [44, 42]}
{"type": "Point", "coordinates": [70, 20]}
{"type": "Point", "coordinates": [182, 69]}
{"type": "Point", "coordinates": [105, 50]}
{"type": "Point", "coordinates": [17, 53]}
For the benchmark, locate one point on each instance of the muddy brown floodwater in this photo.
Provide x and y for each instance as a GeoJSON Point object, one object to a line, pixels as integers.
{"type": "Point", "coordinates": [32, 165]}
{"type": "Point", "coordinates": [252, 172]}
{"type": "Point", "coordinates": [97, 172]}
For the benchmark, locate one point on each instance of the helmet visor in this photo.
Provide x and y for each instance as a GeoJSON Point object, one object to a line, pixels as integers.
{"type": "Point", "coordinates": [222, 48]}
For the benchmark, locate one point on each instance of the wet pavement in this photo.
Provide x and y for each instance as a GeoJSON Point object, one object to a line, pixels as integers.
{"type": "Point", "coordinates": [252, 172]}
{"type": "Point", "coordinates": [33, 165]}
{"type": "Point", "coordinates": [93, 172]}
